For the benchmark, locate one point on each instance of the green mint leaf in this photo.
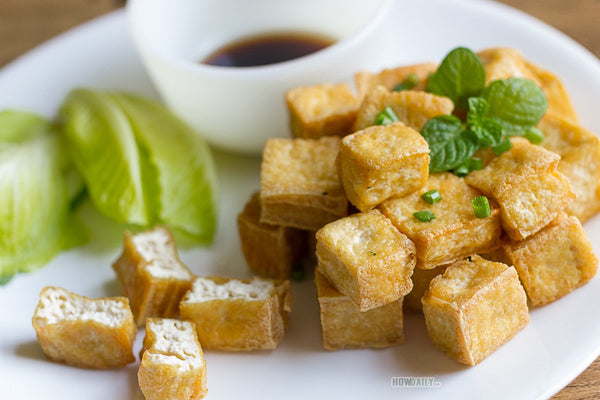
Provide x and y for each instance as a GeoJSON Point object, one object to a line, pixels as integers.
{"type": "Point", "coordinates": [488, 131]}
{"type": "Point", "coordinates": [478, 107]}
{"type": "Point", "coordinates": [460, 75]}
{"type": "Point", "coordinates": [450, 144]}
{"type": "Point", "coordinates": [515, 103]}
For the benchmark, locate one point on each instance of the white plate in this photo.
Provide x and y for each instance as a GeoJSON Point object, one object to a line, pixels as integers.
{"type": "Point", "coordinates": [561, 340]}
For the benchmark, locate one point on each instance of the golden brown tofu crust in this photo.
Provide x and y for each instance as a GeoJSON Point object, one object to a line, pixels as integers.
{"type": "Point", "coordinates": [149, 295]}
{"type": "Point", "coordinates": [390, 77]}
{"type": "Point", "coordinates": [300, 186]}
{"type": "Point", "coordinates": [527, 185]}
{"type": "Point", "coordinates": [321, 110]}
{"type": "Point", "coordinates": [366, 258]}
{"type": "Point", "coordinates": [380, 162]}
{"type": "Point", "coordinates": [162, 380]}
{"type": "Point", "coordinates": [555, 261]}
{"type": "Point", "coordinates": [86, 343]}
{"type": "Point", "coordinates": [344, 326]}
{"type": "Point", "coordinates": [240, 324]}
{"type": "Point", "coordinates": [473, 308]}
{"type": "Point", "coordinates": [579, 150]}
{"type": "Point", "coordinates": [455, 233]}
{"type": "Point", "coordinates": [269, 250]}
{"type": "Point", "coordinates": [502, 63]}
{"type": "Point", "coordinates": [420, 279]}
{"type": "Point", "coordinates": [413, 108]}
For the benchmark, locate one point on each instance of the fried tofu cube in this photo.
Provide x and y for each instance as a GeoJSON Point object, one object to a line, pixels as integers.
{"type": "Point", "coordinates": [455, 233]}
{"type": "Point", "coordinates": [555, 261]}
{"type": "Point", "coordinates": [420, 280]}
{"type": "Point", "coordinates": [380, 162]}
{"type": "Point", "coordinates": [391, 77]}
{"type": "Point", "coordinates": [172, 363]}
{"type": "Point", "coordinates": [321, 110]}
{"type": "Point", "coordinates": [366, 258]}
{"type": "Point", "coordinates": [503, 63]}
{"type": "Point", "coordinates": [151, 274]}
{"type": "Point", "coordinates": [300, 187]}
{"type": "Point", "coordinates": [579, 150]}
{"type": "Point", "coordinates": [84, 332]}
{"type": "Point", "coordinates": [473, 308]}
{"type": "Point", "coordinates": [527, 185]}
{"type": "Point", "coordinates": [413, 108]}
{"type": "Point", "coordinates": [237, 314]}
{"type": "Point", "coordinates": [343, 325]}
{"type": "Point", "coordinates": [270, 250]}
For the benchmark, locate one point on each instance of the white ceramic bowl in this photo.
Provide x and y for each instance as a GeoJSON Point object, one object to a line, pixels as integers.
{"type": "Point", "coordinates": [234, 108]}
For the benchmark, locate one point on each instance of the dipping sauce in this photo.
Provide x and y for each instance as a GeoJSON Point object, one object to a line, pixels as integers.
{"type": "Point", "coordinates": [268, 48]}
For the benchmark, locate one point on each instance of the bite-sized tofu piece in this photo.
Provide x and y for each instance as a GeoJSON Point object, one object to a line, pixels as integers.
{"type": "Point", "coordinates": [503, 63]}
{"type": "Point", "coordinates": [527, 185]}
{"type": "Point", "coordinates": [555, 261]}
{"type": "Point", "coordinates": [237, 314]}
{"type": "Point", "coordinates": [420, 279]}
{"type": "Point", "coordinates": [559, 102]}
{"type": "Point", "coordinates": [379, 162]}
{"type": "Point", "coordinates": [172, 365]}
{"type": "Point", "coordinates": [391, 77]}
{"type": "Point", "coordinates": [343, 325]}
{"type": "Point", "coordinates": [413, 108]}
{"type": "Point", "coordinates": [366, 258]}
{"type": "Point", "coordinates": [270, 250]}
{"type": "Point", "coordinates": [455, 233]}
{"type": "Point", "coordinates": [579, 150]}
{"type": "Point", "coordinates": [299, 186]}
{"type": "Point", "coordinates": [321, 110]}
{"type": "Point", "coordinates": [473, 308]}
{"type": "Point", "coordinates": [89, 333]}
{"type": "Point", "coordinates": [151, 274]}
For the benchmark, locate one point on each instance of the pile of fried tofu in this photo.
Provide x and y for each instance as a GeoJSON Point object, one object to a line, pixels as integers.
{"type": "Point", "coordinates": [182, 314]}
{"type": "Point", "coordinates": [354, 186]}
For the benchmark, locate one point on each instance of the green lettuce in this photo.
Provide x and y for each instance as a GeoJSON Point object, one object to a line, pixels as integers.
{"type": "Point", "coordinates": [37, 187]}
{"type": "Point", "coordinates": [141, 164]}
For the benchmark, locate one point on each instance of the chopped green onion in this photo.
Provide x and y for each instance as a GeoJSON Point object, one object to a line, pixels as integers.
{"type": "Point", "coordinates": [471, 164]}
{"type": "Point", "coordinates": [408, 83]}
{"type": "Point", "coordinates": [386, 117]}
{"type": "Point", "coordinates": [502, 147]}
{"type": "Point", "coordinates": [534, 135]}
{"type": "Point", "coordinates": [372, 253]}
{"type": "Point", "coordinates": [481, 207]}
{"type": "Point", "coordinates": [475, 164]}
{"type": "Point", "coordinates": [432, 196]}
{"type": "Point", "coordinates": [424, 216]}
{"type": "Point", "coordinates": [461, 171]}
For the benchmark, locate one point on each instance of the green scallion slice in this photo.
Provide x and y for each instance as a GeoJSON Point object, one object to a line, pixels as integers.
{"type": "Point", "coordinates": [408, 83]}
{"type": "Point", "coordinates": [386, 117]}
{"type": "Point", "coordinates": [502, 147]}
{"type": "Point", "coordinates": [534, 135]}
{"type": "Point", "coordinates": [424, 216]}
{"type": "Point", "coordinates": [431, 196]}
{"type": "Point", "coordinates": [481, 207]}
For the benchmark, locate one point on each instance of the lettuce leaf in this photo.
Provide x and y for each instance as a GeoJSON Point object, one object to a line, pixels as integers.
{"type": "Point", "coordinates": [35, 217]}
{"type": "Point", "coordinates": [141, 164]}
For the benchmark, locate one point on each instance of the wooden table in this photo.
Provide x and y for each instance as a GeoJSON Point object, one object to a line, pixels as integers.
{"type": "Point", "coordinates": [26, 23]}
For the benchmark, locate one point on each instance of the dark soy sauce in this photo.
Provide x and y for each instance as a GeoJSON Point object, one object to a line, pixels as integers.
{"type": "Point", "coordinates": [268, 48]}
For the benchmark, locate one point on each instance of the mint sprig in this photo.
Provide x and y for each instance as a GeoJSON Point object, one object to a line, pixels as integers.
{"type": "Point", "coordinates": [515, 103]}
{"type": "Point", "coordinates": [460, 75]}
{"type": "Point", "coordinates": [505, 107]}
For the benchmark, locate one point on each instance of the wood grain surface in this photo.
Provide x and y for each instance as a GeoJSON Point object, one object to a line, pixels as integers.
{"type": "Point", "coordinates": [27, 23]}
